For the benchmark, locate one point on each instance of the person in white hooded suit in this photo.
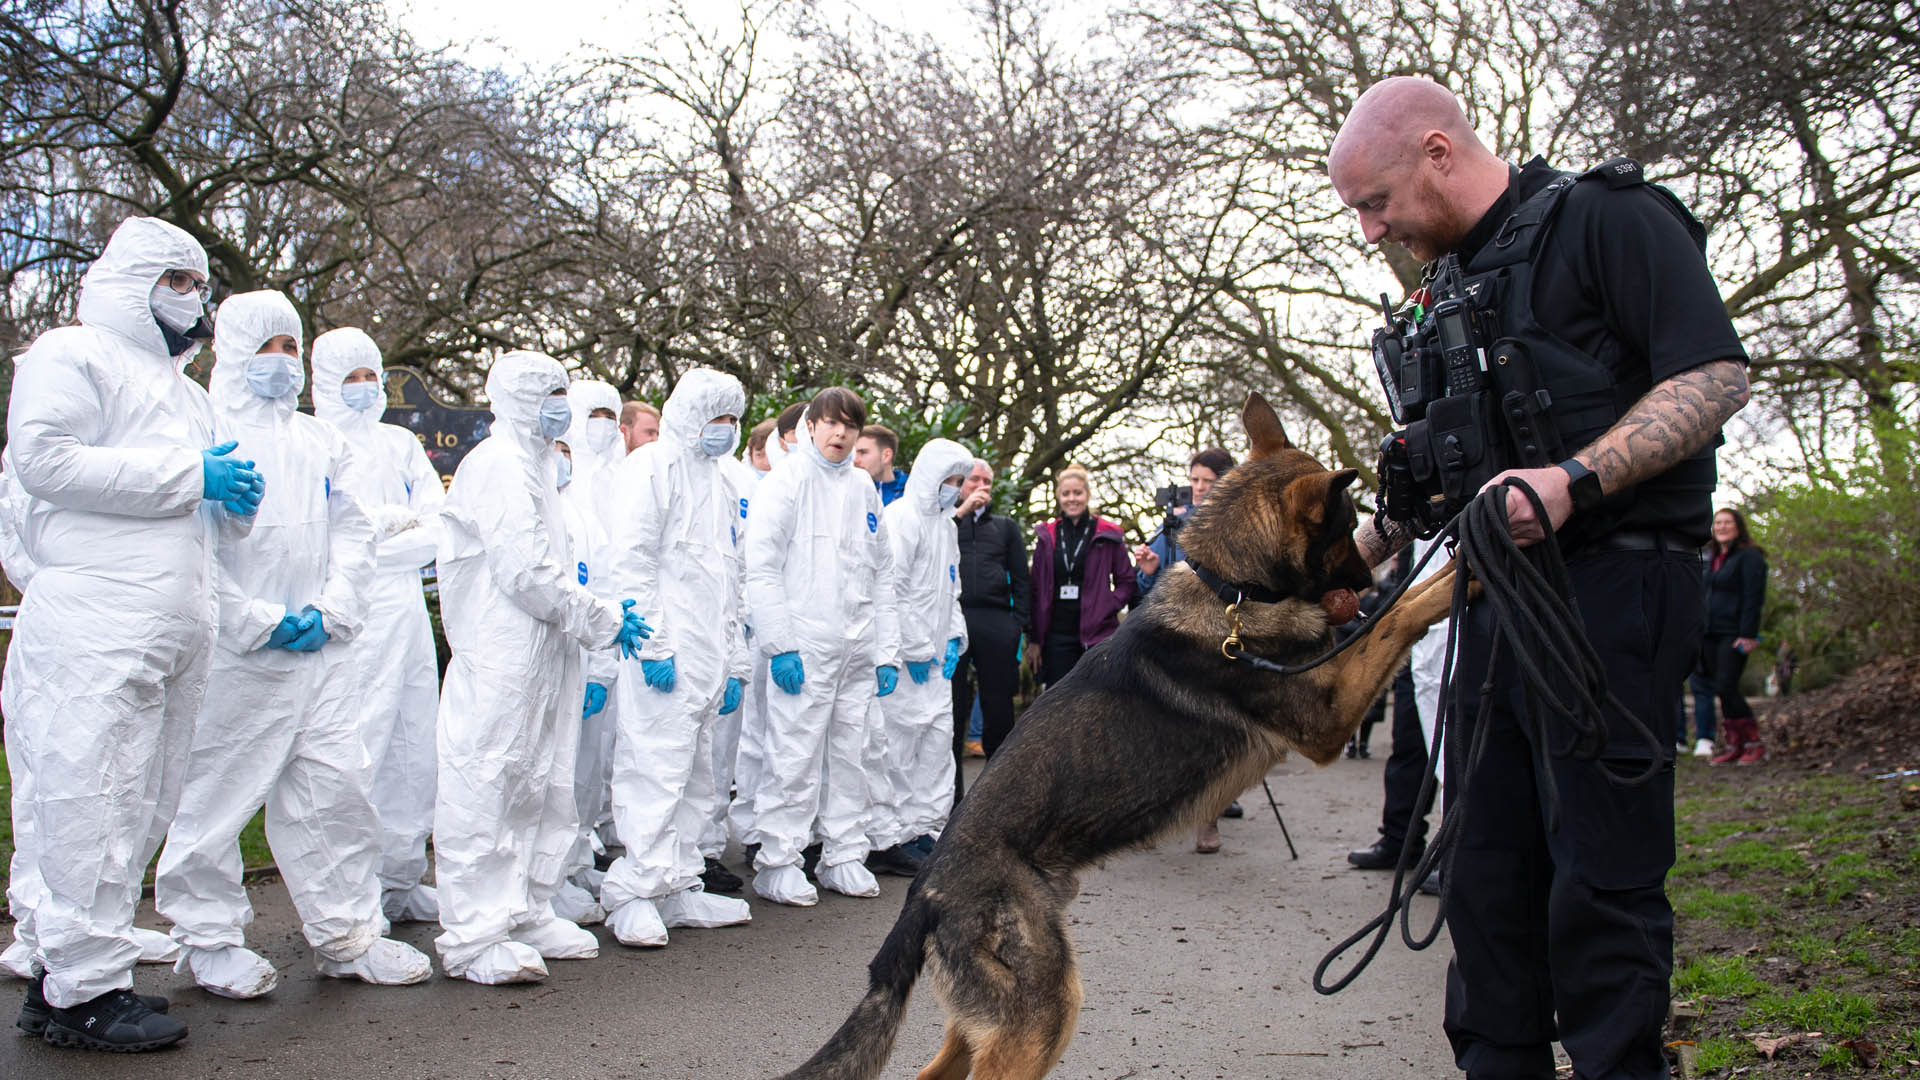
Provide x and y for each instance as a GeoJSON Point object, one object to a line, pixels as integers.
{"type": "Point", "coordinates": [280, 727]}
{"type": "Point", "coordinates": [126, 502]}
{"type": "Point", "coordinates": [517, 618]}
{"type": "Point", "coordinates": [820, 598]}
{"type": "Point", "coordinates": [676, 549]}
{"type": "Point", "coordinates": [400, 492]}
{"type": "Point", "coordinates": [917, 719]}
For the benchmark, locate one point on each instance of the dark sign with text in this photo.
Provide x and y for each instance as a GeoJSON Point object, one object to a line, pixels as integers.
{"type": "Point", "coordinates": [447, 432]}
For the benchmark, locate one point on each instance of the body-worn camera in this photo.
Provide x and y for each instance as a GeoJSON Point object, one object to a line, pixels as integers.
{"type": "Point", "coordinates": [1470, 401]}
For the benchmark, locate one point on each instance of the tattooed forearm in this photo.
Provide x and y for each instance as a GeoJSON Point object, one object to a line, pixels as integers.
{"type": "Point", "coordinates": [1675, 419]}
{"type": "Point", "coordinates": [1379, 537]}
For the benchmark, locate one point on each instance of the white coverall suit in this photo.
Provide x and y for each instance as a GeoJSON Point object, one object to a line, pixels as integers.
{"type": "Point", "coordinates": [108, 663]}
{"type": "Point", "coordinates": [516, 618]}
{"type": "Point", "coordinates": [676, 550]}
{"type": "Point", "coordinates": [399, 672]}
{"type": "Point", "coordinates": [155, 946]}
{"type": "Point", "coordinates": [819, 582]}
{"type": "Point", "coordinates": [281, 729]}
{"type": "Point", "coordinates": [728, 738]}
{"type": "Point", "coordinates": [917, 718]}
{"type": "Point", "coordinates": [596, 447]}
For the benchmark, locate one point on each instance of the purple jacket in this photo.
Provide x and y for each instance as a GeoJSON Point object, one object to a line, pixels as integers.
{"type": "Point", "coordinates": [1107, 587]}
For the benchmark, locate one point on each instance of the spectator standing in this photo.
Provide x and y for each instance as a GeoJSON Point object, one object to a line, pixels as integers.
{"type": "Point", "coordinates": [1081, 578]}
{"type": "Point", "coordinates": [873, 453]}
{"type": "Point", "coordinates": [1736, 590]}
{"type": "Point", "coordinates": [639, 424]}
{"type": "Point", "coordinates": [1158, 555]}
{"type": "Point", "coordinates": [994, 600]}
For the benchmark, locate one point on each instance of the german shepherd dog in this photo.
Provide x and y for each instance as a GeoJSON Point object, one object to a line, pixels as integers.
{"type": "Point", "coordinates": [1154, 730]}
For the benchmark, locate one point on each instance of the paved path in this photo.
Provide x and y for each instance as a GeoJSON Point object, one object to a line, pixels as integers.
{"type": "Point", "coordinates": [1195, 966]}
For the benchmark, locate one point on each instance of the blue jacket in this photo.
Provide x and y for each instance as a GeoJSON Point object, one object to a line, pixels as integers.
{"type": "Point", "coordinates": [893, 488]}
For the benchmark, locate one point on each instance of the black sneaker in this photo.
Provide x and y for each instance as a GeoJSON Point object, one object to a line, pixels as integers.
{"type": "Point", "coordinates": [1383, 855]}
{"type": "Point", "coordinates": [118, 1022]}
{"type": "Point", "coordinates": [35, 1012]}
{"type": "Point", "coordinates": [719, 879]}
{"type": "Point", "coordinates": [921, 845]}
{"type": "Point", "coordinates": [898, 860]}
{"type": "Point", "coordinates": [1233, 810]}
{"type": "Point", "coordinates": [1431, 886]}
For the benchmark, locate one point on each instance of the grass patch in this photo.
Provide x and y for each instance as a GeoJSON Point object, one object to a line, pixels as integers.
{"type": "Point", "coordinates": [1721, 1052]}
{"type": "Point", "coordinates": [1835, 1012]}
{"type": "Point", "coordinates": [1739, 910]}
{"type": "Point", "coordinates": [1745, 857]}
{"type": "Point", "coordinates": [1717, 976]}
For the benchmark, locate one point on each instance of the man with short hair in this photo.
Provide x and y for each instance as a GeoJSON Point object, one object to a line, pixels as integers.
{"type": "Point", "coordinates": [996, 602]}
{"type": "Point", "coordinates": [873, 453]}
{"type": "Point", "coordinates": [1565, 933]}
{"type": "Point", "coordinates": [639, 424]}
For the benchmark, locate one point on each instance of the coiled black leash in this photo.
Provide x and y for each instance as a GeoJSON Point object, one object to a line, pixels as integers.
{"type": "Point", "coordinates": [1537, 627]}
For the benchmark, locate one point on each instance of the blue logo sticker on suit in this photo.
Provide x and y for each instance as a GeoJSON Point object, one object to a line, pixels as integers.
{"type": "Point", "coordinates": [326, 486]}
{"type": "Point", "coordinates": [735, 534]}
{"type": "Point", "coordinates": [952, 573]}
{"type": "Point", "coordinates": [583, 573]}
{"type": "Point", "coordinates": [743, 508]}
{"type": "Point", "coordinates": [873, 523]}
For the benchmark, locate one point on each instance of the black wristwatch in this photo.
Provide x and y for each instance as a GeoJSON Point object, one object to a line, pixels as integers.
{"type": "Point", "coordinates": [1583, 484]}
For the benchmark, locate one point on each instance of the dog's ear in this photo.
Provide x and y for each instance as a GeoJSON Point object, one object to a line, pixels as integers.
{"type": "Point", "coordinates": [1339, 482]}
{"type": "Point", "coordinates": [1316, 496]}
{"type": "Point", "coordinates": [1264, 432]}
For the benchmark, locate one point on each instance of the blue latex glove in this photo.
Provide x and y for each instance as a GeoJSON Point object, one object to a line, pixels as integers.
{"type": "Point", "coordinates": [313, 633]}
{"type": "Point", "coordinates": [731, 699]}
{"type": "Point", "coordinates": [919, 670]}
{"type": "Point", "coordinates": [787, 673]}
{"type": "Point", "coordinates": [632, 630]}
{"type": "Point", "coordinates": [888, 677]}
{"type": "Point", "coordinates": [659, 674]}
{"type": "Point", "coordinates": [596, 700]}
{"type": "Point", "coordinates": [283, 634]}
{"type": "Point", "coordinates": [952, 663]}
{"type": "Point", "coordinates": [232, 483]}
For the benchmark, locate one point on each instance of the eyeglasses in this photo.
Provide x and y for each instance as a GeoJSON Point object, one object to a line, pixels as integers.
{"type": "Point", "coordinates": [183, 282]}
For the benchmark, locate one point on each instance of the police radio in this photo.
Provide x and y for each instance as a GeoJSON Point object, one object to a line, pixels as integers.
{"type": "Point", "coordinates": [1471, 406]}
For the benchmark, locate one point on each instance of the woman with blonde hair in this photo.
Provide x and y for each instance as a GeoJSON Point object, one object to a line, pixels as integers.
{"type": "Point", "coordinates": [1082, 577]}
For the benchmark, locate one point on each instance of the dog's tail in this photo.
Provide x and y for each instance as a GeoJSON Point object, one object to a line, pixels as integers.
{"type": "Point", "coordinates": [860, 1049]}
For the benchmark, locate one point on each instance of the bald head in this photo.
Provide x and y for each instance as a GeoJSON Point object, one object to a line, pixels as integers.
{"type": "Point", "coordinates": [1409, 163]}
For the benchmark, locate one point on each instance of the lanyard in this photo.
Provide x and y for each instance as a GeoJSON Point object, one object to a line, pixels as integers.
{"type": "Point", "coordinates": [1072, 558]}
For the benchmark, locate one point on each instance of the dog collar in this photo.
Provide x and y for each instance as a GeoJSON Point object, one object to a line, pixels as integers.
{"type": "Point", "coordinates": [1233, 593]}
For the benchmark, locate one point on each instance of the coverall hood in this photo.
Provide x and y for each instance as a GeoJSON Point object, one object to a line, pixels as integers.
{"type": "Point", "coordinates": [247, 322]}
{"type": "Point", "coordinates": [517, 384]}
{"type": "Point", "coordinates": [337, 354]}
{"type": "Point", "coordinates": [699, 396]}
{"type": "Point", "coordinates": [114, 294]}
{"type": "Point", "coordinates": [584, 396]}
{"type": "Point", "coordinates": [937, 460]}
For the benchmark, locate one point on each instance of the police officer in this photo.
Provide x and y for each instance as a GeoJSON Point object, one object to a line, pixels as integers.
{"type": "Point", "coordinates": [1568, 934]}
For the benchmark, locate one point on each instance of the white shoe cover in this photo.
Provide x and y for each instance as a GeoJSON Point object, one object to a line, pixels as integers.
{"type": "Point", "coordinates": [1703, 748]}
{"type": "Point", "coordinates": [156, 947]}
{"type": "Point", "coordinates": [577, 905]}
{"type": "Point", "coordinates": [849, 878]}
{"type": "Point", "coordinates": [785, 885]}
{"type": "Point", "coordinates": [418, 904]}
{"type": "Point", "coordinates": [234, 971]}
{"type": "Point", "coordinates": [558, 939]}
{"type": "Point", "coordinates": [637, 922]}
{"type": "Point", "coordinates": [18, 959]}
{"type": "Point", "coordinates": [698, 908]}
{"type": "Point", "coordinates": [504, 962]}
{"type": "Point", "coordinates": [387, 963]}
{"type": "Point", "coordinates": [590, 880]}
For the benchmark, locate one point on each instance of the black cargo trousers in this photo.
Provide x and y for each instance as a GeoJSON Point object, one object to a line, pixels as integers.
{"type": "Point", "coordinates": [1568, 934]}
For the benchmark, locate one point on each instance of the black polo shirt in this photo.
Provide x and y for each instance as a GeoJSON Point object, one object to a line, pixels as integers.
{"type": "Point", "coordinates": [1620, 279]}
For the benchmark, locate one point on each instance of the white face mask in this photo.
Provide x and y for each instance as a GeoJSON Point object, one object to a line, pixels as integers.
{"type": "Point", "coordinates": [275, 375]}
{"type": "Point", "coordinates": [178, 311]}
{"type": "Point", "coordinates": [361, 396]}
{"type": "Point", "coordinates": [949, 496]}
{"type": "Point", "coordinates": [717, 439]}
{"type": "Point", "coordinates": [555, 417]}
{"type": "Point", "coordinates": [601, 431]}
{"type": "Point", "coordinates": [562, 470]}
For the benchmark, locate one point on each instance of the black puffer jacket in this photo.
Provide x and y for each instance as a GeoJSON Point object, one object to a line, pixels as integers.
{"type": "Point", "coordinates": [993, 565]}
{"type": "Point", "coordinates": [1735, 593]}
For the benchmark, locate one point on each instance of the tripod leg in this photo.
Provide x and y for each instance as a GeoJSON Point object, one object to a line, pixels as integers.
{"type": "Point", "coordinates": [1275, 803]}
